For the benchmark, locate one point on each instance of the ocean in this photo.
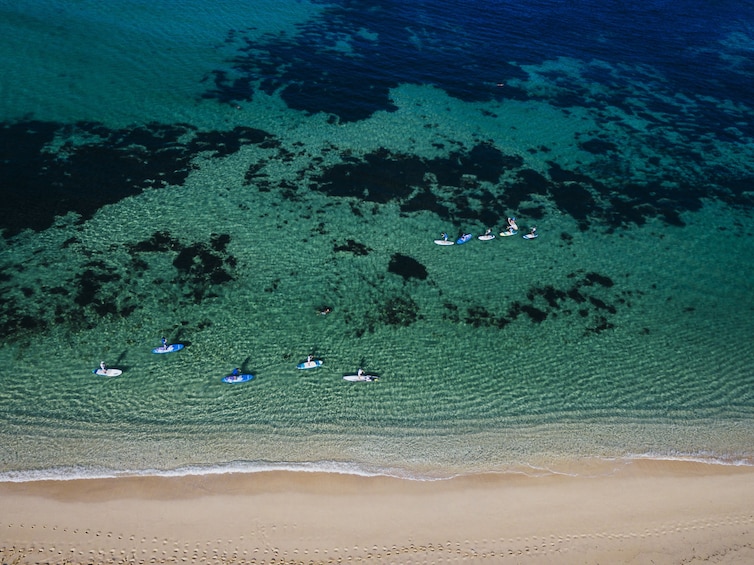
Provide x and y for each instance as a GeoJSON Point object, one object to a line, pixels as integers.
{"type": "Point", "coordinates": [219, 173]}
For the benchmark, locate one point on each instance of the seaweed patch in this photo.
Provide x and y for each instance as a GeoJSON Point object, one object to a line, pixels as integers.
{"type": "Point", "coordinates": [548, 301]}
{"type": "Point", "coordinates": [407, 267]}
{"type": "Point", "coordinates": [111, 286]}
{"type": "Point", "coordinates": [352, 246]}
{"type": "Point", "coordinates": [50, 168]}
{"type": "Point", "coordinates": [384, 47]}
{"type": "Point", "coordinates": [399, 311]}
{"type": "Point", "coordinates": [456, 187]}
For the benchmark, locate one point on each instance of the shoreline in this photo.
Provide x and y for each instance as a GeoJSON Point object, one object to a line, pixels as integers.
{"type": "Point", "coordinates": [581, 467]}
{"type": "Point", "coordinates": [664, 511]}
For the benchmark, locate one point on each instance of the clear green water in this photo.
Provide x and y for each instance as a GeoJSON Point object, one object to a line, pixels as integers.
{"type": "Point", "coordinates": [670, 377]}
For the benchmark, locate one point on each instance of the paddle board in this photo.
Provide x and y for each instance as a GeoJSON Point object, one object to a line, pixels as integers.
{"type": "Point", "coordinates": [464, 238]}
{"type": "Point", "coordinates": [444, 242]}
{"type": "Point", "coordinates": [168, 349]}
{"type": "Point", "coordinates": [313, 364]}
{"type": "Point", "coordinates": [107, 372]}
{"type": "Point", "coordinates": [233, 379]}
{"type": "Point", "coordinates": [360, 378]}
{"type": "Point", "coordinates": [531, 236]}
{"type": "Point", "coordinates": [508, 233]}
{"type": "Point", "coordinates": [486, 237]}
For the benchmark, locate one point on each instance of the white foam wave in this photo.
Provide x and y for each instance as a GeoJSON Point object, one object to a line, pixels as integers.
{"type": "Point", "coordinates": [67, 473]}
{"type": "Point", "coordinates": [702, 457]}
{"type": "Point", "coordinates": [77, 472]}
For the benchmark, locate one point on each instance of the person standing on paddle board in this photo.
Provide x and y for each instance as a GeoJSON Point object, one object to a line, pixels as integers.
{"type": "Point", "coordinates": [102, 366]}
{"type": "Point", "coordinates": [164, 343]}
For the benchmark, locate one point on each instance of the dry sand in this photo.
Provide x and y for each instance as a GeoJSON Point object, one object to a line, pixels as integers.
{"type": "Point", "coordinates": [643, 512]}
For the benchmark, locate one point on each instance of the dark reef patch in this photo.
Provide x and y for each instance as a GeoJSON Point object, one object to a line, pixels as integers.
{"type": "Point", "coordinates": [385, 48]}
{"type": "Point", "coordinates": [483, 186]}
{"type": "Point", "coordinates": [351, 246]}
{"type": "Point", "coordinates": [407, 267]}
{"type": "Point", "coordinates": [381, 177]}
{"type": "Point", "coordinates": [548, 301]}
{"type": "Point", "coordinates": [50, 169]}
{"type": "Point", "coordinates": [160, 241]}
{"type": "Point", "coordinates": [115, 288]}
{"type": "Point", "coordinates": [449, 186]}
{"type": "Point", "coordinates": [199, 266]}
{"type": "Point", "coordinates": [345, 60]}
{"type": "Point", "coordinates": [399, 311]}
{"type": "Point", "coordinates": [378, 47]}
{"type": "Point", "coordinates": [598, 146]}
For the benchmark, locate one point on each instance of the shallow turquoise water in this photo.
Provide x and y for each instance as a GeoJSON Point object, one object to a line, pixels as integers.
{"type": "Point", "coordinates": [591, 341]}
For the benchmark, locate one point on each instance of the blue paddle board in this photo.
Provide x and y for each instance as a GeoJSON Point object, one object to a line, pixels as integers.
{"type": "Point", "coordinates": [464, 238]}
{"type": "Point", "coordinates": [169, 349]}
{"type": "Point", "coordinates": [233, 379]}
{"type": "Point", "coordinates": [313, 364]}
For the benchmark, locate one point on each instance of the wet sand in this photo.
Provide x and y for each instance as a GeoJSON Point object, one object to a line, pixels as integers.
{"type": "Point", "coordinates": [642, 512]}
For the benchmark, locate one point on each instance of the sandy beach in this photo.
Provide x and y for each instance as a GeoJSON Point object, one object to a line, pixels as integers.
{"type": "Point", "coordinates": [642, 512]}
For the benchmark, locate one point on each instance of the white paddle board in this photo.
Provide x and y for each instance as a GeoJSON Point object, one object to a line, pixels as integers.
{"type": "Point", "coordinates": [107, 372]}
{"type": "Point", "coordinates": [313, 364]}
{"type": "Point", "coordinates": [531, 236]}
{"type": "Point", "coordinates": [444, 242]}
{"type": "Point", "coordinates": [486, 237]}
{"type": "Point", "coordinates": [508, 233]}
{"type": "Point", "coordinates": [360, 378]}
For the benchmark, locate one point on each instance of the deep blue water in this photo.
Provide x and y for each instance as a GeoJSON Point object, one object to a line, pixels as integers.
{"type": "Point", "coordinates": [466, 49]}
